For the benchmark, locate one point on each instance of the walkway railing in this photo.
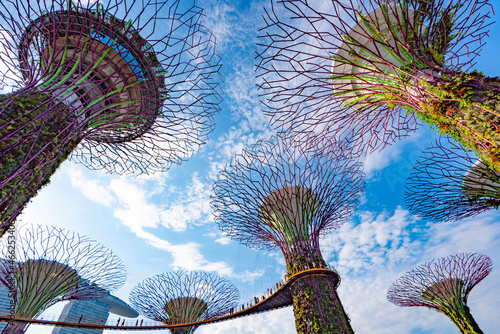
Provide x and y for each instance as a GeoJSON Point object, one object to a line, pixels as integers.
{"type": "Point", "coordinates": [276, 297]}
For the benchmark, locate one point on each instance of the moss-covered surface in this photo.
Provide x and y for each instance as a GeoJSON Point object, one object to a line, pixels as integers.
{"type": "Point", "coordinates": [446, 295]}
{"type": "Point", "coordinates": [462, 317]}
{"type": "Point", "coordinates": [467, 107]}
{"type": "Point", "coordinates": [317, 307]}
{"type": "Point", "coordinates": [36, 136]}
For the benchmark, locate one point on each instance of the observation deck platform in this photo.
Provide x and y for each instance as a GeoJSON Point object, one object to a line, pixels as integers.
{"type": "Point", "coordinates": [277, 297]}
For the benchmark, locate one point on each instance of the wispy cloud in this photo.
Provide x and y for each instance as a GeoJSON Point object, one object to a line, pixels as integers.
{"type": "Point", "coordinates": [374, 249]}
{"type": "Point", "coordinates": [129, 199]}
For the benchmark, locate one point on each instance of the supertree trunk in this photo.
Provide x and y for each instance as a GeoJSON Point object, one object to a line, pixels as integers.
{"type": "Point", "coordinates": [285, 194]}
{"type": "Point", "coordinates": [32, 154]}
{"type": "Point", "coordinates": [463, 319]}
{"type": "Point", "coordinates": [50, 265]}
{"type": "Point", "coordinates": [317, 308]}
{"type": "Point", "coordinates": [372, 70]}
{"type": "Point", "coordinates": [444, 284]}
{"type": "Point", "coordinates": [102, 83]}
{"type": "Point", "coordinates": [316, 305]}
{"type": "Point", "coordinates": [467, 107]}
{"type": "Point", "coordinates": [183, 330]}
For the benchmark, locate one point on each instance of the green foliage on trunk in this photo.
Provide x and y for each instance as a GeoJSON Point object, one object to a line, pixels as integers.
{"type": "Point", "coordinates": [469, 114]}
{"type": "Point", "coordinates": [317, 307]}
{"type": "Point", "coordinates": [37, 135]}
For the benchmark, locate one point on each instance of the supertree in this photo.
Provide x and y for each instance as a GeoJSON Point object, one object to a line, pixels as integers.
{"type": "Point", "coordinates": [181, 297]}
{"type": "Point", "coordinates": [127, 86]}
{"type": "Point", "coordinates": [285, 194]}
{"type": "Point", "coordinates": [370, 69]}
{"type": "Point", "coordinates": [449, 183]}
{"type": "Point", "coordinates": [444, 285]}
{"type": "Point", "coordinates": [44, 265]}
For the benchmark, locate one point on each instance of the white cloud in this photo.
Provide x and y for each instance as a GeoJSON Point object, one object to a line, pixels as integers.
{"type": "Point", "coordinates": [378, 239]}
{"type": "Point", "coordinates": [191, 207]}
{"type": "Point", "coordinates": [92, 189]}
{"type": "Point", "coordinates": [131, 205]}
{"type": "Point", "coordinates": [373, 252]}
{"type": "Point", "coordinates": [223, 240]}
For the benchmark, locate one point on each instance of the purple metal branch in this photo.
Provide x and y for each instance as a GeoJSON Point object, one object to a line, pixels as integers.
{"type": "Point", "coordinates": [449, 184]}
{"type": "Point", "coordinates": [470, 268]}
{"type": "Point", "coordinates": [444, 284]}
{"type": "Point", "coordinates": [180, 297]}
{"type": "Point", "coordinates": [282, 193]}
{"type": "Point", "coordinates": [42, 266]}
{"type": "Point", "coordinates": [130, 87]}
{"type": "Point", "coordinates": [337, 68]}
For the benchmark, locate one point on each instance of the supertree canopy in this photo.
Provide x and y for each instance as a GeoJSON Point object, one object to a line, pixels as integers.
{"type": "Point", "coordinates": [449, 183]}
{"type": "Point", "coordinates": [376, 67]}
{"type": "Point", "coordinates": [444, 285]}
{"type": "Point", "coordinates": [181, 297]}
{"type": "Point", "coordinates": [285, 194]}
{"type": "Point", "coordinates": [42, 266]}
{"type": "Point", "coordinates": [127, 86]}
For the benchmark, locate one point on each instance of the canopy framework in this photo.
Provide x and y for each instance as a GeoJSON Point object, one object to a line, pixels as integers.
{"type": "Point", "coordinates": [372, 69]}
{"type": "Point", "coordinates": [449, 183]}
{"type": "Point", "coordinates": [52, 265]}
{"type": "Point", "coordinates": [182, 297]}
{"type": "Point", "coordinates": [285, 193]}
{"type": "Point", "coordinates": [444, 284]}
{"type": "Point", "coordinates": [103, 85]}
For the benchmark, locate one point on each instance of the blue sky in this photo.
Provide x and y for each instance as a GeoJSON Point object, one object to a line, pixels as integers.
{"type": "Point", "coordinates": [162, 222]}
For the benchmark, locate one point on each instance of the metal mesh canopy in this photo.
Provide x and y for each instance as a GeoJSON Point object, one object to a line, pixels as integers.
{"type": "Point", "coordinates": [448, 183]}
{"type": "Point", "coordinates": [283, 191]}
{"type": "Point", "coordinates": [138, 80]}
{"type": "Point", "coordinates": [184, 296]}
{"type": "Point", "coordinates": [52, 265]}
{"type": "Point", "coordinates": [127, 86]}
{"type": "Point", "coordinates": [441, 283]}
{"type": "Point", "coordinates": [360, 68]}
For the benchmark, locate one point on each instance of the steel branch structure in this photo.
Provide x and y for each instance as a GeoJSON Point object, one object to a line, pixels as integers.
{"type": "Point", "coordinates": [285, 194]}
{"type": "Point", "coordinates": [444, 285]}
{"type": "Point", "coordinates": [182, 297]}
{"type": "Point", "coordinates": [43, 266]}
{"type": "Point", "coordinates": [128, 86]}
{"type": "Point", "coordinates": [370, 69]}
{"type": "Point", "coordinates": [449, 184]}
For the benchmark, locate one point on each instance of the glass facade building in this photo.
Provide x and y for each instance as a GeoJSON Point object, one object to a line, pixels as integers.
{"type": "Point", "coordinates": [77, 309]}
{"type": "Point", "coordinates": [95, 311]}
{"type": "Point", "coordinates": [4, 303]}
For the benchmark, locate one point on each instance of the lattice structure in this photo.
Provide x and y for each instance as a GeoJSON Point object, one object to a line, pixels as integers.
{"type": "Point", "coordinates": [444, 285]}
{"type": "Point", "coordinates": [284, 194]}
{"type": "Point", "coordinates": [128, 86]}
{"type": "Point", "coordinates": [42, 266]}
{"type": "Point", "coordinates": [450, 184]}
{"type": "Point", "coordinates": [370, 69]}
{"type": "Point", "coordinates": [181, 297]}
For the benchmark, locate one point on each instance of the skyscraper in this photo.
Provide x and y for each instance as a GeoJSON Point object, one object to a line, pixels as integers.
{"type": "Point", "coordinates": [94, 310]}
{"type": "Point", "coordinates": [4, 304]}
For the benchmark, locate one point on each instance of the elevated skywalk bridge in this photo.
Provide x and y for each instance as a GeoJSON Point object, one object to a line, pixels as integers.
{"type": "Point", "coordinates": [277, 297]}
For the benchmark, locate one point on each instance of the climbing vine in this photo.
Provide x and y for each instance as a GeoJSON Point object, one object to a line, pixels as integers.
{"type": "Point", "coordinates": [33, 144]}
{"type": "Point", "coordinates": [467, 107]}
{"type": "Point", "coordinates": [317, 307]}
